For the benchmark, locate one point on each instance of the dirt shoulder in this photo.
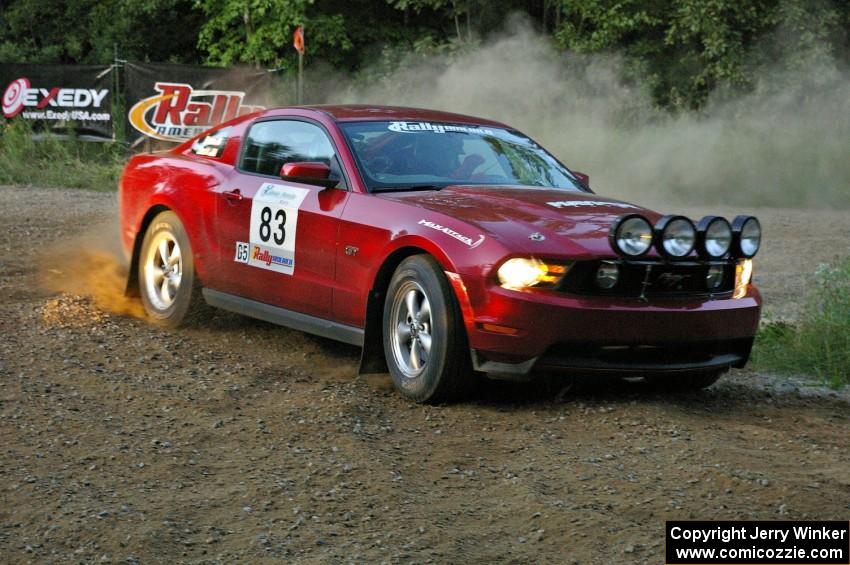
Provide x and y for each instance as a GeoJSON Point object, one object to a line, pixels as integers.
{"type": "Point", "coordinates": [238, 440]}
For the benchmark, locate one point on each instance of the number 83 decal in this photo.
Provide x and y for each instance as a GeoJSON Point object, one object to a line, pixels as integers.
{"type": "Point", "coordinates": [273, 230]}
{"type": "Point", "coordinates": [266, 229]}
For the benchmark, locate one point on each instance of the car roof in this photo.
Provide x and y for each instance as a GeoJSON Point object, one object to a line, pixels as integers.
{"type": "Point", "coordinates": [366, 112]}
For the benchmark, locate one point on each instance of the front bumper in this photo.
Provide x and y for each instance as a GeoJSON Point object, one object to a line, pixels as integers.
{"type": "Point", "coordinates": [514, 332]}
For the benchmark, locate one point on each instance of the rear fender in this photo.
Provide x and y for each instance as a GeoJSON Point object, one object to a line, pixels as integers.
{"type": "Point", "coordinates": [198, 253]}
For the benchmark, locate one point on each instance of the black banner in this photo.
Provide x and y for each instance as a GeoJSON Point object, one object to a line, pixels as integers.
{"type": "Point", "coordinates": [758, 542]}
{"type": "Point", "coordinates": [175, 102]}
{"type": "Point", "coordinates": [60, 96]}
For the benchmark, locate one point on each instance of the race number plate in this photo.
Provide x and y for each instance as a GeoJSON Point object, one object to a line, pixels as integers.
{"type": "Point", "coordinates": [274, 226]}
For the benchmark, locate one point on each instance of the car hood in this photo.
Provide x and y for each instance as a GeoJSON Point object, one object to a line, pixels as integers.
{"type": "Point", "coordinates": [572, 223]}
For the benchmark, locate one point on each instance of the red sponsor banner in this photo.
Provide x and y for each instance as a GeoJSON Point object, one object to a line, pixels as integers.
{"type": "Point", "coordinates": [176, 102]}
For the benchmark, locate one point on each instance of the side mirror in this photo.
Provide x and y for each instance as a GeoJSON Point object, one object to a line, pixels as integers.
{"type": "Point", "coordinates": [582, 178]}
{"type": "Point", "coordinates": [317, 174]}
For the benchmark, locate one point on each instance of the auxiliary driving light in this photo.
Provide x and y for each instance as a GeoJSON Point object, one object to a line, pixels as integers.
{"type": "Point", "coordinates": [746, 238]}
{"type": "Point", "coordinates": [676, 236]}
{"type": "Point", "coordinates": [631, 235]}
{"type": "Point", "coordinates": [714, 235]}
{"type": "Point", "coordinates": [607, 275]}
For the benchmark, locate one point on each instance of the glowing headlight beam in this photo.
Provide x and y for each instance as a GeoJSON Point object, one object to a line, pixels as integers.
{"type": "Point", "coordinates": [523, 272]}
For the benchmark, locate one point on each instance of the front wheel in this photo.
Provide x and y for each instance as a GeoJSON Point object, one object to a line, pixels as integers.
{"type": "Point", "coordinates": [166, 271]}
{"type": "Point", "coordinates": [424, 339]}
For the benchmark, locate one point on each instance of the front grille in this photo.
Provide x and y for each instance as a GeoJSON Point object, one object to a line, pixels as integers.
{"type": "Point", "coordinates": [648, 279]}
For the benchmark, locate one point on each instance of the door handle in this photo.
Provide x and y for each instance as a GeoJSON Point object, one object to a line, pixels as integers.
{"type": "Point", "coordinates": [234, 195]}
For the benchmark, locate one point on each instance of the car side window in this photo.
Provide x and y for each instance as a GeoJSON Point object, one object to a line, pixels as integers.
{"type": "Point", "coordinates": [270, 145]}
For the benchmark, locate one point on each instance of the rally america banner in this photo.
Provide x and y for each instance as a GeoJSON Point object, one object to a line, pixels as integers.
{"type": "Point", "coordinates": [171, 102]}
{"type": "Point", "coordinates": [59, 97]}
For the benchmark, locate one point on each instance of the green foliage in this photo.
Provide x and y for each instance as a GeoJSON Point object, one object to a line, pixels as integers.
{"type": "Point", "coordinates": [343, 33]}
{"type": "Point", "coordinates": [50, 161]}
{"type": "Point", "coordinates": [688, 48]}
{"type": "Point", "coordinates": [248, 31]}
{"type": "Point", "coordinates": [86, 31]}
{"type": "Point", "coordinates": [819, 344]}
{"type": "Point", "coordinates": [686, 51]}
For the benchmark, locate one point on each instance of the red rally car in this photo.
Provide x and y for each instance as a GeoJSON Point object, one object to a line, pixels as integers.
{"type": "Point", "coordinates": [442, 244]}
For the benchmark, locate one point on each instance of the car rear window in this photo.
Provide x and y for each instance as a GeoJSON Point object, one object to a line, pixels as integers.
{"type": "Point", "coordinates": [211, 145]}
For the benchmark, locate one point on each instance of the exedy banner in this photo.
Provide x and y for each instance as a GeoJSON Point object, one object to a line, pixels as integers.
{"type": "Point", "coordinates": [176, 102]}
{"type": "Point", "coordinates": [59, 97]}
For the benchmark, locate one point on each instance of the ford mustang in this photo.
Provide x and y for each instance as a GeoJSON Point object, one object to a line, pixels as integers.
{"type": "Point", "coordinates": [444, 245]}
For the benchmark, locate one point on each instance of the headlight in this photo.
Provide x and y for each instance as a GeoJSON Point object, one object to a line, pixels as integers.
{"type": "Point", "coordinates": [631, 235]}
{"type": "Point", "coordinates": [715, 235]}
{"type": "Point", "coordinates": [714, 277]}
{"type": "Point", "coordinates": [676, 236]}
{"type": "Point", "coordinates": [522, 272]}
{"type": "Point", "coordinates": [607, 275]}
{"type": "Point", "coordinates": [743, 277]}
{"type": "Point", "coordinates": [747, 236]}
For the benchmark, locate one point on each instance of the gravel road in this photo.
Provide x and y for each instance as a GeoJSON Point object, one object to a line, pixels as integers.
{"type": "Point", "coordinates": [239, 441]}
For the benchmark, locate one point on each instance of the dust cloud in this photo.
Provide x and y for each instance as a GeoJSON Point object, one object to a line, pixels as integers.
{"type": "Point", "coordinates": [786, 145]}
{"type": "Point", "coordinates": [92, 265]}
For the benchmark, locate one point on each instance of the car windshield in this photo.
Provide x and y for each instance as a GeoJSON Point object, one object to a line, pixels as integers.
{"type": "Point", "coordinates": [422, 155]}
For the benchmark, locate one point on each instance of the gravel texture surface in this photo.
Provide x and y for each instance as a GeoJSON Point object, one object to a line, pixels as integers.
{"type": "Point", "coordinates": [235, 440]}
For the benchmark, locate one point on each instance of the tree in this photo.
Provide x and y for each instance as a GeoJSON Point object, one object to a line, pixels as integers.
{"type": "Point", "coordinates": [248, 31]}
{"type": "Point", "coordinates": [86, 31]}
{"type": "Point", "coordinates": [687, 48]}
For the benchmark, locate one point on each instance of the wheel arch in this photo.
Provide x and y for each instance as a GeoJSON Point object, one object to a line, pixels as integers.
{"type": "Point", "coordinates": [372, 358]}
{"type": "Point", "coordinates": [132, 286]}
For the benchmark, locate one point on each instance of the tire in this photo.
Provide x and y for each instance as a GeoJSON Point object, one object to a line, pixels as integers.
{"type": "Point", "coordinates": [425, 342]}
{"type": "Point", "coordinates": [685, 381]}
{"type": "Point", "coordinates": [166, 272]}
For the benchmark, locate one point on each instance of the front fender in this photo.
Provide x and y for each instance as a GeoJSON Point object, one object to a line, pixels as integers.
{"type": "Point", "coordinates": [418, 241]}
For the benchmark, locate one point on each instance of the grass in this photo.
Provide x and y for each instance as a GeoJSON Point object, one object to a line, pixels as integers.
{"type": "Point", "coordinates": [819, 343]}
{"type": "Point", "coordinates": [52, 161]}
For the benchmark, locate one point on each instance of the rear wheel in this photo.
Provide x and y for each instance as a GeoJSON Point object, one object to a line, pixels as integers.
{"type": "Point", "coordinates": [685, 381]}
{"type": "Point", "coordinates": [424, 339]}
{"type": "Point", "coordinates": [167, 272]}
